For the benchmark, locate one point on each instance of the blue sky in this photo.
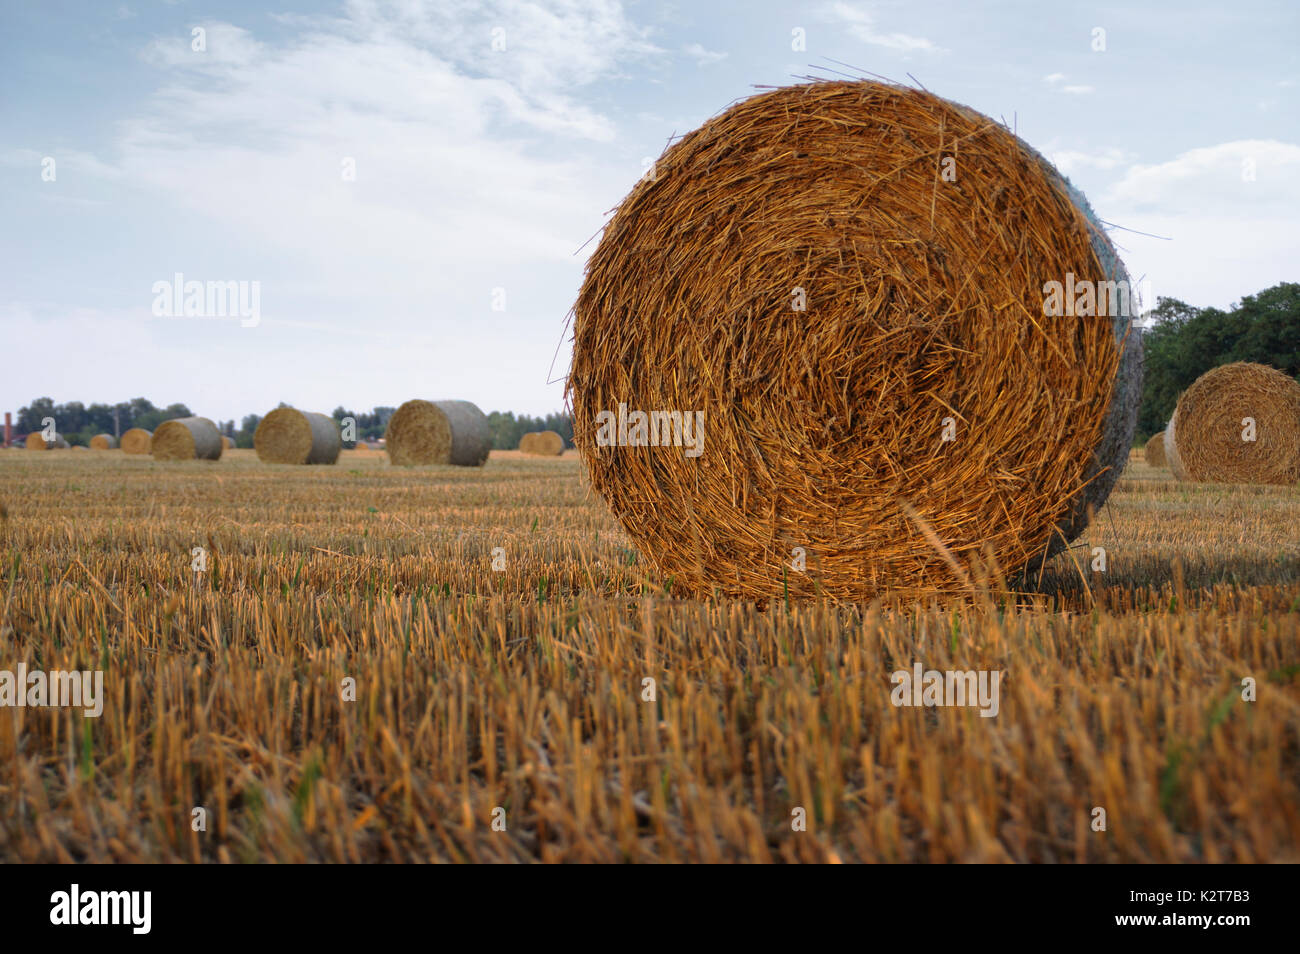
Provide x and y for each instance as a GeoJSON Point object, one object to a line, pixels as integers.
{"type": "Point", "coordinates": [479, 172]}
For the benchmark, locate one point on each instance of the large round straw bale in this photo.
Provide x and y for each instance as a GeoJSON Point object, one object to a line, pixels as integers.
{"type": "Point", "coordinates": [185, 438]}
{"type": "Point", "coordinates": [438, 432]}
{"type": "Point", "coordinates": [542, 444]}
{"type": "Point", "coordinates": [289, 436]}
{"type": "Point", "coordinates": [35, 441]}
{"type": "Point", "coordinates": [832, 301]}
{"type": "Point", "coordinates": [227, 442]}
{"type": "Point", "coordinates": [1237, 423]}
{"type": "Point", "coordinates": [103, 442]}
{"type": "Point", "coordinates": [137, 441]}
{"type": "Point", "coordinates": [1154, 450]}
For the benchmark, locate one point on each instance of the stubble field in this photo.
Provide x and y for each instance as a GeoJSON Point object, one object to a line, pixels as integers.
{"type": "Point", "coordinates": [503, 714]}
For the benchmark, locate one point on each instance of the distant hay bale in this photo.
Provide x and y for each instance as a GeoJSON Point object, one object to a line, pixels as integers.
{"type": "Point", "coordinates": [137, 441]}
{"type": "Point", "coordinates": [289, 436]}
{"type": "Point", "coordinates": [542, 444]}
{"type": "Point", "coordinates": [816, 352]}
{"type": "Point", "coordinates": [103, 442]}
{"type": "Point", "coordinates": [36, 442]}
{"type": "Point", "coordinates": [438, 432]}
{"type": "Point", "coordinates": [1154, 450]}
{"type": "Point", "coordinates": [1238, 423]}
{"type": "Point", "coordinates": [227, 443]}
{"type": "Point", "coordinates": [186, 438]}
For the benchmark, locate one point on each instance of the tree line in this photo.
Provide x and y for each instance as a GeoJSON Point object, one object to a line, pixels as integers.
{"type": "Point", "coordinates": [78, 422]}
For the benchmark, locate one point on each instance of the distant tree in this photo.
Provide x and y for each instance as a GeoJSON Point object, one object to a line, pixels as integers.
{"type": "Point", "coordinates": [247, 428]}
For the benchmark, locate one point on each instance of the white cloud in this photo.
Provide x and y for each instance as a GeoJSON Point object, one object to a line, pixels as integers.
{"type": "Point", "coordinates": [1055, 80]}
{"type": "Point", "coordinates": [1259, 176]}
{"type": "Point", "coordinates": [702, 56]}
{"type": "Point", "coordinates": [861, 26]}
{"type": "Point", "coordinates": [1069, 161]}
{"type": "Point", "coordinates": [474, 170]}
{"type": "Point", "coordinates": [1227, 231]}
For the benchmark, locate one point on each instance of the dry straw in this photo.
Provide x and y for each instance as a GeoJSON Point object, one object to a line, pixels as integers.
{"type": "Point", "coordinates": [137, 441]}
{"type": "Point", "coordinates": [1154, 450]}
{"type": "Point", "coordinates": [1238, 423]}
{"type": "Point", "coordinates": [542, 444]}
{"type": "Point", "coordinates": [918, 237]}
{"type": "Point", "coordinates": [289, 436]}
{"type": "Point", "coordinates": [35, 441]}
{"type": "Point", "coordinates": [186, 438]}
{"type": "Point", "coordinates": [438, 432]}
{"type": "Point", "coordinates": [103, 442]}
{"type": "Point", "coordinates": [227, 443]}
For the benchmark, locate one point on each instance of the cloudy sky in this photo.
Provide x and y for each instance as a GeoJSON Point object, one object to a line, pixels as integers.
{"type": "Point", "coordinates": [410, 183]}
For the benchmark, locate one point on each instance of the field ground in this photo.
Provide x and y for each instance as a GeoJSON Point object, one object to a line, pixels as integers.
{"type": "Point", "coordinates": [522, 689]}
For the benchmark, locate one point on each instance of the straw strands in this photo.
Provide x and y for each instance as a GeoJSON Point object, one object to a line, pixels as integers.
{"type": "Point", "coordinates": [862, 339]}
{"type": "Point", "coordinates": [1237, 423]}
{"type": "Point", "coordinates": [289, 436]}
{"type": "Point", "coordinates": [186, 438]}
{"type": "Point", "coordinates": [438, 432]}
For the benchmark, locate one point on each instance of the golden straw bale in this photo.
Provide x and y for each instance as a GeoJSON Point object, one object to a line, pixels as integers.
{"type": "Point", "coordinates": [841, 290]}
{"type": "Point", "coordinates": [186, 438]}
{"type": "Point", "coordinates": [438, 432]}
{"type": "Point", "coordinates": [1238, 423]}
{"type": "Point", "coordinates": [542, 444]}
{"type": "Point", "coordinates": [35, 441]}
{"type": "Point", "coordinates": [137, 441]}
{"type": "Point", "coordinates": [289, 436]}
{"type": "Point", "coordinates": [1154, 450]}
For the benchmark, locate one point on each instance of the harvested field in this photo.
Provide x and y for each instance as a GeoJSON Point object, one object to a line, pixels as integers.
{"type": "Point", "coordinates": [522, 688]}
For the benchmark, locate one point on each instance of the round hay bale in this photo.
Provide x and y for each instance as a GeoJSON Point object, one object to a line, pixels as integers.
{"type": "Point", "coordinates": [103, 442]}
{"type": "Point", "coordinates": [1154, 450]}
{"type": "Point", "coordinates": [1238, 423]}
{"type": "Point", "coordinates": [227, 443]}
{"type": "Point", "coordinates": [186, 438]}
{"type": "Point", "coordinates": [137, 441]}
{"type": "Point", "coordinates": [35, 441]}
{"type": "Point", "coordinates": [438, 432]}
{"type": "Point", "coordinates": [818, 352]}
{"type": "Point", "coordinates": [542, 444]}
{"type": "Point", "coordinates": [289, 436]}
